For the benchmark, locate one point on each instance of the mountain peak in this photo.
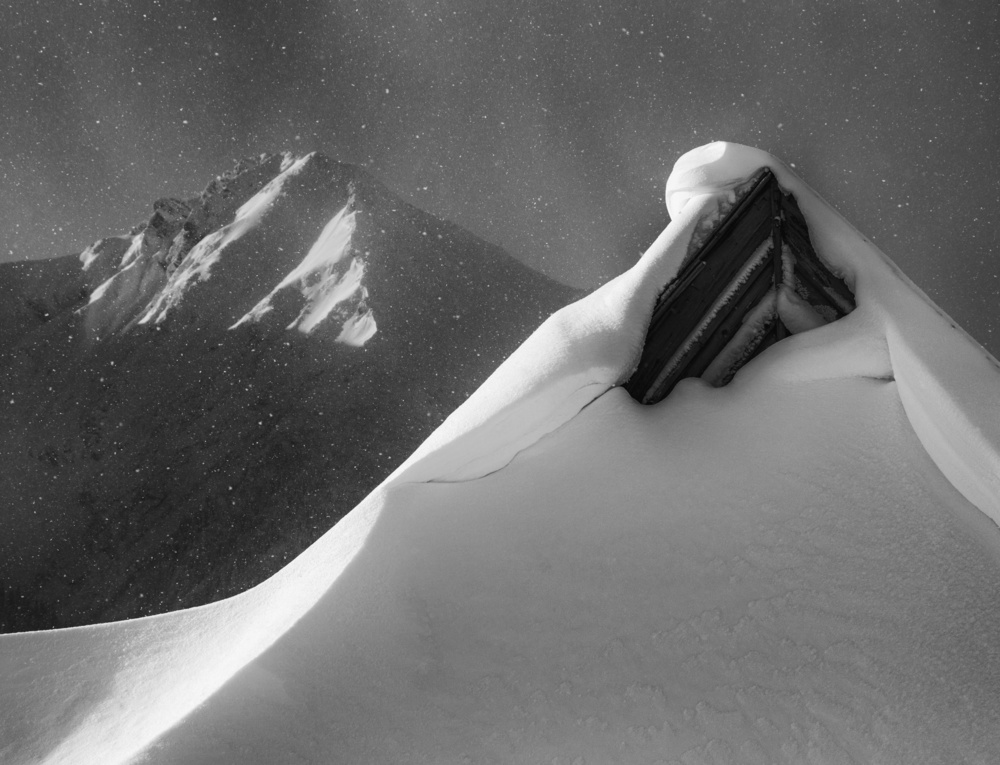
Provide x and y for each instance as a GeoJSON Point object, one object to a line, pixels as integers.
{"type": "Point", "coordinates": [216, 387]}
{"type": "Point", "coordinates": [168, 261]}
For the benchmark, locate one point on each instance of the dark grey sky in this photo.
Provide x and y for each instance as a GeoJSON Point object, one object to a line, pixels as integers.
{"type": "Point", "coordinates": [548, 127]}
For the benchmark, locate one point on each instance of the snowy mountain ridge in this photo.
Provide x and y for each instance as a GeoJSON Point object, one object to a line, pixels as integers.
{"type": "Point", "coordinates": [189, 374]}
{"type": "Point", "coordinates": [325, 285]}
{"type": "Point", "coordinates": [183, 242]}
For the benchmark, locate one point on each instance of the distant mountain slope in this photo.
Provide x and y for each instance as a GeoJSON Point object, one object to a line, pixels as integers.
{"type": "Point", "coordinates": [186, 408]}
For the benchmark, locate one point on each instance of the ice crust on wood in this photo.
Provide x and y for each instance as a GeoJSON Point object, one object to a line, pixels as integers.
{"type": "Point", "coordinates": [799, 566]}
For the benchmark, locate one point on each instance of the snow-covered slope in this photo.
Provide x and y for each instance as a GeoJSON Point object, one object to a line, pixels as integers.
{"type": "Point", "coordinates": [189, 406]}
{"type": "Point", "coordinates": [799, 567]}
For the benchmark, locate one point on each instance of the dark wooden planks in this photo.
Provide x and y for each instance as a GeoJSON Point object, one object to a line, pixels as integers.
{"type": "Point", "coordinates": [685, 335]}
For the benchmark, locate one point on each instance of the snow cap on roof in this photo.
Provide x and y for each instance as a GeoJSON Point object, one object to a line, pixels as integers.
{"type": "Point", "coordinates": [947, 382]}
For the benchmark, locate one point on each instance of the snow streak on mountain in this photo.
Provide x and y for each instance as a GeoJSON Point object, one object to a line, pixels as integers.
{"type": "Point", "coordinates": [187, 407]}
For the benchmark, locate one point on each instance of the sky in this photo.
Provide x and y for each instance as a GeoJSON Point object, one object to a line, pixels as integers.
{"type": "Point", "coordinates": [547, 127]}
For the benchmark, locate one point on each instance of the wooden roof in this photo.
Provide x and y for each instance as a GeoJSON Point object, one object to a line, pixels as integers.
{"type": "Point", "coordinates": [721, 309]}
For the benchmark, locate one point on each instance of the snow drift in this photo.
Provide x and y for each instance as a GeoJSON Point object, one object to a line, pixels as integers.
{"type": "Point", "coordinates": [800, 566]}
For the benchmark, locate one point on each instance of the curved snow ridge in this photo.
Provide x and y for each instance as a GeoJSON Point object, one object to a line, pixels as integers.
{"type": "Point", "coordinates": [103, 693]}
{"type": "Point", "coordinates": [947, 382]}
{"type": "Point", "coordinates": [508, 435]}
{"type": "Point", "coordinates": [197, 265]}
{"type": "Point", "coordinates": [574, 357]}
{"type": "Point", "coordinates": [954, 412]}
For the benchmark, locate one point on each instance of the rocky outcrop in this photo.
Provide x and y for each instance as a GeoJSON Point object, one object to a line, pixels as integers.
{"type": "Point", "coordinates": [168, 219]}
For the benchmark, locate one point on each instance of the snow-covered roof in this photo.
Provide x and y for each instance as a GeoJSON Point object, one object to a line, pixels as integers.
{"type": "Point", "coordinates": [751, 278]}
{"type": "Point", "coordinates": [800, 566]}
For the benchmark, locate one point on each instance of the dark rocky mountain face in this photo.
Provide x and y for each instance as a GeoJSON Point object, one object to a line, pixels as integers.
{"type": "Point", "coordinates": [185, 409]}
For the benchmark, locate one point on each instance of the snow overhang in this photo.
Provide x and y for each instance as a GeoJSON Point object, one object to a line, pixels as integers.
{"type": "Point", "coordinates": [947, 383]}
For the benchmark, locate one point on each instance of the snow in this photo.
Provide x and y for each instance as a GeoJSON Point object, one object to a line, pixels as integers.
{"type": "Point", "coordinates": [326, 294]}
{"type": "Point", "coordinates": [133, 251]}
{"type": "Point", "coordinates": [329, 278]}
{"type": "Point", "coordinates": [197, 265]}
{"type": "Point", "coordinates": [358, 329]}
{"type": "Point", "coordinates": [796, 314]}
{"type": "Point", "coordinates": [326, 285]}
{"type": "Point", "coordinates": [104, 286]}
{"type": "Point", "coordinates": [129, 260]}
{"type": "Point", "coordinates": [328, 249]}
{"type": "Point", "coordinates": [89, 255]}
{"type": "Point", "coordinates": [798, 567]}
{"type": "Point", "coordinates": [319, 282]}
{"type": "Point", "coordinates": [743, 342]}
{"type": "Point", "coordinates": [945, 375]}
